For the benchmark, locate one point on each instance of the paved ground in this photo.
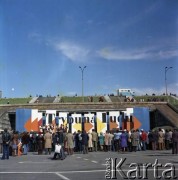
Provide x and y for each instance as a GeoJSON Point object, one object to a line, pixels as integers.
{"type": "Point", "coordinates": [89, 166]}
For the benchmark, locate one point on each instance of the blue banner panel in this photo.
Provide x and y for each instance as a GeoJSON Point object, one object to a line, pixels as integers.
{"type": "Point", "coordinates": [22, 116]}
{"type": "Point", "coordinates": [143, 115]}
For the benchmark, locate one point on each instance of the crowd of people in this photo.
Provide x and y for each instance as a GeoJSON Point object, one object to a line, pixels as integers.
{"type": "Point", "coordinates": [63, 142]}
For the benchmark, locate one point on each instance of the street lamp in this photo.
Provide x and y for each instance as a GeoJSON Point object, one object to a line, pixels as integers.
{"type": "Point", "coordinates": [82, 70]}
{"type": "Point", "coordinates": [166, 69]}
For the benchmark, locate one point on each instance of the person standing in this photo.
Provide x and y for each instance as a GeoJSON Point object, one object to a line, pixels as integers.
{"type": "Point", "coordinates": [175, 142]}
{"type": "Point", "coordinates": [94, 140]}
{"type": "Point", "coordinates": [152, 139]}
{"type": "Point", "coordinates": [160, 139]}
{"type": "Point", "coordinates": [168, 138]}
{"type": "Point", "coordinates": [170, 133]}
{"type": "Point", "coordinates": [135, 140]}
{"type": "Point", "coordinates": [70, 142]}
{"type": "Point", "coordinates": [106, 141]}
{"type": "Point", "coordinates": [77, 141]}
{"type": "Point", "coordinates": [139, 140]}
{"type": "Point", "coordinates": [80, 141]}
{"type": "Point", "coordinates": [14, 143]}
{"type": "Point", "coordinates": [1, 143]}
{"type": "Point", "coordinates": [129, 141]}
{"type": "Point", "coordinates": [25, 141]}
{"type": "Point", "coordinates": [110, 141]}
{"type": "Point", "coordinates": [48, 142]}
{"type": "Point", "coordinates": [143, 138]}
{"type": "Point", "coordinates": [101, 141]}
{"type": "Point", "coordinates": [123, 140]}
{"type": "Point", "coordinates": [85, 139]}
{"type": "Point", "coordinates": [40, 143]}
{"type": "Point", "coordinates": [117, 135]}
{"type": "Point", "coordinates": [6, 141]}
{"type": "Point", "coordinates": [90, 144]}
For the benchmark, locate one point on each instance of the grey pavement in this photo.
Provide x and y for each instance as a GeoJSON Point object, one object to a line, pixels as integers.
{"type": "Point", "coordinates": [91, 166]}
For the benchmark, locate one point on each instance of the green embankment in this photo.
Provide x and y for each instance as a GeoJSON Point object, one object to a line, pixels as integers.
{"type": "Point", "coordinates": [15, 100]}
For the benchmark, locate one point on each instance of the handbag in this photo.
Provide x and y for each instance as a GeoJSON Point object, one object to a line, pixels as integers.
{"type": "Point", "coordinates": [57, 148]}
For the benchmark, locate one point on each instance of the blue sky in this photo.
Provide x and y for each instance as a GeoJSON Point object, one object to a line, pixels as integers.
{"type": "Point", "coordinates": [123, 43]}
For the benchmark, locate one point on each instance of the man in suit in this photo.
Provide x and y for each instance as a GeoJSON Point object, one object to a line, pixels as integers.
{"type": "Point", "coordinates": [175, 142]}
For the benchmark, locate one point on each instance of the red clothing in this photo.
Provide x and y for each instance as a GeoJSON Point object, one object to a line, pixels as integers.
{"type": "Point", "coordinates": [143, 136]}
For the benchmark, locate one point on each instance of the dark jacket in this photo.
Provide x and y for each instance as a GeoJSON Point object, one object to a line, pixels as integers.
{"type": "Point", "coordinates": [25, 138]}
{"type": "Point", "coordinates": [153, 137]}
{"type": "Point", "coordinates": [175, 137]}
{"type": "Point", "coordinates": [84, 139]}
{"type": "Point", "coordinates": [59, 137]}
{"type": "Point", "coordinates": [6, 137]}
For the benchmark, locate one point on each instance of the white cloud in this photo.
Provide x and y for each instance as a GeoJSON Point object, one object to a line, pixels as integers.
{"type": "Point", "coordinates": [113, 54]}
{"type": "Point", "coordinates": [169, 53]}
{"type": "Point", "coordinates": [72, 51]}
{"type": "Point", "coordinates": [137, 54]}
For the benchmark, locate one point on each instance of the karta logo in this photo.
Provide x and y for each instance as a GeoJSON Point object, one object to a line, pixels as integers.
{"type": "Point", "coordinates": [114, 168]}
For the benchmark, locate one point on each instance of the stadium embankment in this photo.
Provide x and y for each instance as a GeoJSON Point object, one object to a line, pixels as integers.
{"type": "Point", "coordinates": [169, 114]}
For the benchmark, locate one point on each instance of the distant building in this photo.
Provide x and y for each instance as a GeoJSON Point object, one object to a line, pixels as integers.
{"type": "Point", "coordinates": [125, 92]}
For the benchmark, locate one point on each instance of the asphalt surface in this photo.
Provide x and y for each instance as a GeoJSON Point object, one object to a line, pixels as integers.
{"type": "Point", "coordinates": [91, 166]}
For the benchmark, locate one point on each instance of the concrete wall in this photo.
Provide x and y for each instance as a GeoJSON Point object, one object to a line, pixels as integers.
{"type": "Point", "coordinates": [73, 107]}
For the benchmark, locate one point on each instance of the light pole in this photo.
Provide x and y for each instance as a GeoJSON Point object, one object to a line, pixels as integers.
{"type": "Point", "coordinates": [82, 70]}
{"type": "Point", "coordinates": [166, 69]}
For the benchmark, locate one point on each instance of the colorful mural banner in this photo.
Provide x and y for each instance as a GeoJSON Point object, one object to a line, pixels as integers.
{"type": "Point", "coordinates": [131, 118]}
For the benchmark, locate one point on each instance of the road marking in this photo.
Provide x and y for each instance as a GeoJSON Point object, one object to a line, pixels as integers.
{"type": "Point", "coordinates": [70, 172]}
{"type": "Point", "coordinates": [104, 164]}
{"type": "Point", "coordinates": [86, 159]}
{"type": "Point", "coordinates": [78, 157]}
{"type": "Point", "coordinates": [94, 161]}
{"type": "Point", "coordinates": [61, 176]}
{"type": "Point", "coordinates": [22, 162]}
{"type": "Point", "coordinates": [61, 172]}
